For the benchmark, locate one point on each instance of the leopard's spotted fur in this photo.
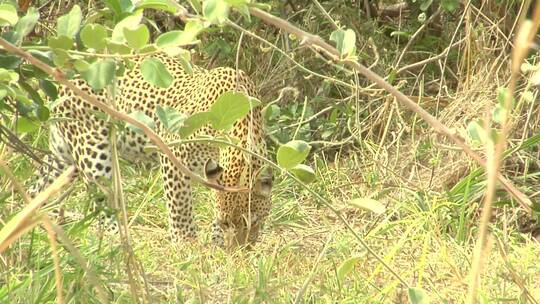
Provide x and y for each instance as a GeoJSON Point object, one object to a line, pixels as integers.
{"type": "Point", "coordinates": [83, 139]}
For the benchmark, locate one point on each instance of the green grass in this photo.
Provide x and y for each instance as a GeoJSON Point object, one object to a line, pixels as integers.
{"type": "Point", "coordinates": [427, 239]}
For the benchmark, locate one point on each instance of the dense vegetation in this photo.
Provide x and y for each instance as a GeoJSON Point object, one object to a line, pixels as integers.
{"type": "Point", "coordinates": [418, 185]}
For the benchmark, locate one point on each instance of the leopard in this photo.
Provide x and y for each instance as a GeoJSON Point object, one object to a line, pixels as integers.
{"type": "Point", "coordinates": [81, 138]}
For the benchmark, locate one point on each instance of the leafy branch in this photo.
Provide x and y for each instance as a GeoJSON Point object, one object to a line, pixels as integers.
{"type": "Point", "coordinates": [59, 76]}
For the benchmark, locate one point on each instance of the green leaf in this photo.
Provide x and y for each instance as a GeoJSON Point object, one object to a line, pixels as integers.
{"type": "Point", "coordinates": [171, 119]}
{"type": "Point", "coordinates": [100, 74]}
{"type": "Point", "coordinates": [9, 61]}
{"type": "Point", "coordinates": [476, 131]}
{"type": "Point", "coordinates": [346, 267]}
{"type": "Point", "coordinates": [253, 102]}
{"type": "Point", "coordinates": [400, 34]}
{"type": "Point", "coordinates": [68, 25]}
{"type": "Point", "coordinates": [368, 204]}
{"type": "Point", "coordinates": [345, 42]}
{"type": "Point", "coordinates": [26, 125]}
{"type": "Point", "coordinates": [94, 36]}
{"type": "Point", "coordinates": [32, 93]}
{"type": "Point", "coordinates": [215, 11]}
{"type": "Point", "coordinates": [137, 37]}
{"type": "Point", "coordinates": [236, 3]}
{"type": "Point", "coordinates": [8, 76]}
{"type": "Point", "coordinates": [149, 48]}
{"type": "Point", "coordinates": [228, 108]}
{"type": "Point", "coordinates": [8, 15]}
{"type": "Point", "coordinates": [62, 42]}
{"type": "Point", "coordinates": [81, 65]}
{"type": "Point", "coordinates": [143, 118]}
{"type": "Point", "coordinates": [26, 24]}
{"type": "Point", "coordinates": [119, 6]}
{"type": "Point", "coordinates": [61, 57]}
{"type": "Point", "coordinates": [304, 173]}
{"type": "Point", "coordinates": [118, 48]}
{"type": "Point", "coordinates": [292, 153]}
{"type": "Point", "coordinates": [44, 56]}
{"type": "Point", "coordinates": [449, 5]}
{"type": "Point", "coordinates": [499, 114]}
{"type": "Point", "coordinates": [156, 73]}
{"type": "Point", "coordinates": [128, 22]}
{"type": "Point", "coordinates": [194, 123]}
{"type": "Point", "coordinates": [182, 55]}
{"type": "Point", "coordinates": [49, 88]}
{"type": "Point", "coordinates": [244, 10]}
{"type": "Point", "coordinates": [180, 38]}
{"type": "Point", "coordinates": [161, 5]}
{"type": "Point", "coordinates": [42, 113]}
{"type": "Point", "coordinates": [418, 296]}
{"type": "Point", "coordinates": [262, 6]}
{"type": "Point", "coordinates": [272, 112]}
{"type": "Point", "coordinates": [502, 94]}
{"type": "Point", "coordinates": [425, 5]}
{"type": "Point", "coordinates": [241, 6]}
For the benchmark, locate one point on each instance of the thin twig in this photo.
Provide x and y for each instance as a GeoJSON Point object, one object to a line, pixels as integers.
{"type": "Point", "coordinates": [326, 15]}
{"type": "Point", "coordinates": [416, 35]}
{"type": "Point", "coordinates": [431, 59]}
{"type": "Point", "coordinates": [119, 203]}
{"type": "Point", "coordinates": [454, 35]}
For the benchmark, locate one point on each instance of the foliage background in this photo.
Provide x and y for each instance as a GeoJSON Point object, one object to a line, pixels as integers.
{"type": "Point", "coordinates": [451, 58]}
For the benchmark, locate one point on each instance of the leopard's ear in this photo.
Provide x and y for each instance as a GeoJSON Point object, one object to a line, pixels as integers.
{"type": "Point", "coordinates": [212, 170]}
{"type": "Point", "coordinates": [263, 183]}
